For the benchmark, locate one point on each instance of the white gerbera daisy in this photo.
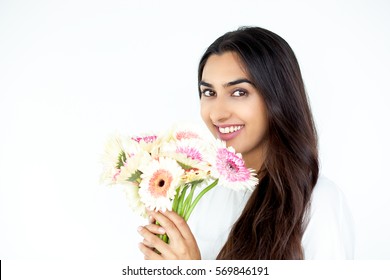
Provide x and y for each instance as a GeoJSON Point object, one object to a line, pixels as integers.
{"type": "Point", "coordinates": [130, 171]}
{"type": "Point", "coordinates": [117, 149]}
{"type": "Point", "coordinates": [160, 179]}
{"type": "Point", "coordinates": [197, 175]}
{"type": "Point", "coordinates": [132, 194]}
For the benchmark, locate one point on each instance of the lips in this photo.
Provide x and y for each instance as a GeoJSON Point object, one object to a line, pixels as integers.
{"type": "Point", "coordinates": [228, 132]}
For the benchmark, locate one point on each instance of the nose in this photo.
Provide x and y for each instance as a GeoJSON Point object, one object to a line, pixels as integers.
{"type": "Point", "coordinates": [220, 110]}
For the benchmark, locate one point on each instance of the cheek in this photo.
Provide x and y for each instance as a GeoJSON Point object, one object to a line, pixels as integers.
{"type": "Point", "coordinates": [263, 128]}
{"type": "Point", "coordinates": [259, 121]}
{"type": "Point", "coordinates": [204, 112]}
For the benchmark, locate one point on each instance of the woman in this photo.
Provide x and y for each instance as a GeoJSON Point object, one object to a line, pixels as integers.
{"type": "Point", "coordinates": [252, 96]}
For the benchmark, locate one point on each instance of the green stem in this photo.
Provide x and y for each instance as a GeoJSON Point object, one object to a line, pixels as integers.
{"type": "Point", "coordinates": [181, 199]}
{"type": "Point", "coordinates": [199, 196]}
{"type": "Point", "coordinates": [188, 200]}
{"type": "Point", "coordinates": [176, 200]}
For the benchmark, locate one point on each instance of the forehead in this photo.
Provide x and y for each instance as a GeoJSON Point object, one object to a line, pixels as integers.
{"type": "Point", "coordinates": [223, 68]}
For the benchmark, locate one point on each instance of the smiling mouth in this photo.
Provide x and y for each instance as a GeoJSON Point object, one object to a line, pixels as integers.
{"type": "Point", "coordinates": [230, 129]}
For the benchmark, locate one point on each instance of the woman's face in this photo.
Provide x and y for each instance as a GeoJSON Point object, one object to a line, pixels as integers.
{"type": "Point", "coordinates": [232, 108]}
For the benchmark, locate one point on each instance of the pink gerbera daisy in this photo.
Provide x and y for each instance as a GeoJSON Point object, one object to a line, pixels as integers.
{"type": "Point", "coordinates": [231, 171]}
{"type": "Point", "coordinates": [147, 142]}
{"type": "Point", "coordinates": [146, 139]}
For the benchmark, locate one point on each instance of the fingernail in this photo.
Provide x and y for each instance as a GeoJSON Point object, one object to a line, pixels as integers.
{"type": "Point", "coordinates": [139, 228]}
{"type": "Point", "coordinates": [161, 230]}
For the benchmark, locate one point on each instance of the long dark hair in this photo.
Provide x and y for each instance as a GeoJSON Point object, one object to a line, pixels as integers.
{"type": "Point", "coordinates": [273, 221]}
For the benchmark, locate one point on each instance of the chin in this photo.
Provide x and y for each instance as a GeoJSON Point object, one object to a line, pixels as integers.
{"type": "Point", "coordinates": [236, 147]}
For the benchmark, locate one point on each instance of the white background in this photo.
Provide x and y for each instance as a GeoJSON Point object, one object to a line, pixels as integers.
{"type": "Point", "coordinates": [73, 72]}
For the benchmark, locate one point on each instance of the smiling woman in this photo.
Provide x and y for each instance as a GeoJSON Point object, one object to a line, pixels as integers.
{"type": "Point", "coordinates": [252, 96]}
{"type": "Point", "coordinates": [232, 108]}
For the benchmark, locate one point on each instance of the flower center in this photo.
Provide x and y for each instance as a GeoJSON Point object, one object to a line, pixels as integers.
{"type": "Point", "coordinates": [231, 166]}
{"type": "Point", "coordinates": [160, 183]}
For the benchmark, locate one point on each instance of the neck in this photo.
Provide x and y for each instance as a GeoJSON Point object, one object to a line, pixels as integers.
{"type": "Point", "coordinates": [255, 158]}
{"type": "Point", "coordinates": [254, 162]}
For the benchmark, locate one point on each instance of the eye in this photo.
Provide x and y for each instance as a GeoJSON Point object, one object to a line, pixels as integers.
{"type": "Point", "coordinates": [239, 92]}
{"type": "Point", "coordinates": [208, 93]}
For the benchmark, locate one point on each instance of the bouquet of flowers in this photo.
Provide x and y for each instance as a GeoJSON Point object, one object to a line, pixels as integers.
{"type": "Point", "coordinates": [162, 171]}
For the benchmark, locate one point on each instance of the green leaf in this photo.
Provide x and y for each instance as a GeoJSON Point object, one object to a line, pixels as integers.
{"type": "Point", "coordinates": [184, 166]}
{"type": "Point", "coordinates": [121, 159]}
{"type": "Point", "coordinates": [135, 176]}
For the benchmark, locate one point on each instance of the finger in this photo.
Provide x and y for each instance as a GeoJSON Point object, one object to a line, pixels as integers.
{"type": "Point", "coordinates": [170, 228]}
{"type": "Point", "coordinates": [156, 229]}
{"type": "Point", "coordinates": [152, 240]}
{"type": "Point", "coordinates": [147, 244]}
{"type": "Point", "coordinates": [150, 218]}
{"type": "Point", "coordinates": [149, 254]}
{"type": "Point", "coordinates": [181, 224]}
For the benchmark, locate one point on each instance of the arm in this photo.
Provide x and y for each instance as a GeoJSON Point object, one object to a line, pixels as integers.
{"type": "Point", "coordinates": [182, 243]}
{"type": "Point", "coordinates": [330, 230]}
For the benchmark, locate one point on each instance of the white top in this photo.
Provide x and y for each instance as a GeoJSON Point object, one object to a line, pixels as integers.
{"type": "Point", "coordinates": [329, 233]}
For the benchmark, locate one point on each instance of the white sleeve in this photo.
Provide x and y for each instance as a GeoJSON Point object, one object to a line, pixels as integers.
{"type": "Point", "coordinates": [330, 229]}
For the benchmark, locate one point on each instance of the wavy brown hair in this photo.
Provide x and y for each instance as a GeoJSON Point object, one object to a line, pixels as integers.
{"type": "Point", "coordinates": [273, 221]}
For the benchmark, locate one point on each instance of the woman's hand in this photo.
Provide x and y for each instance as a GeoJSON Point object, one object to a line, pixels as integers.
{"type": "Point", "coordinates": [182, 244]}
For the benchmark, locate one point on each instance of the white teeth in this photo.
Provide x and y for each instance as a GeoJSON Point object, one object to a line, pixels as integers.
{"type": "Point", "coordinates": [229, 129]}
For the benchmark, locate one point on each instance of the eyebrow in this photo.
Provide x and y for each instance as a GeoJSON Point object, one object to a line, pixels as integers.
{"type": "Point", "coordinates": [229, 84]}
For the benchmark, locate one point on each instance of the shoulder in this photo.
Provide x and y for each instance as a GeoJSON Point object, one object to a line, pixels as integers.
{"type": "Point", "coordinates": [326, 195]}
{"type": "Point", "coordinates": [329, 232]}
